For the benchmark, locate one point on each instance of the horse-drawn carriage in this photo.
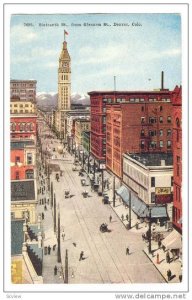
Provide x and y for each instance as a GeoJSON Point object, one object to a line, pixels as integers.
{"type": "Point", "coordinates": [104, 227]}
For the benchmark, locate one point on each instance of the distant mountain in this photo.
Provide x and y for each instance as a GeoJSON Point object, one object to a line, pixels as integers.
{"type": "Point", "coordinates": [50, 99]}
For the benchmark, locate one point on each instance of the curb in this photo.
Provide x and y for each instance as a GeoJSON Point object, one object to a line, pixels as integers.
{"type": "Point", "coordinates": [156, 267]}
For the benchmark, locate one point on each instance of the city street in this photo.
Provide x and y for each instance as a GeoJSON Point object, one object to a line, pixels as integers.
{"type": "Point", "coordinates": [104, 259]}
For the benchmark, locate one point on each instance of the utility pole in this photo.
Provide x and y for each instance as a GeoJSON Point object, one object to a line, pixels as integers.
{"type": "Point", "coordinates": [58, 240]}
{"type": "Point", "coordinates": [113, 191]}
{"type": "Point", "coordinates": [149, 230]}
{"type": "Point", "coordinates": [129, 210]}
{"type": "Point", "coordinates": [54, 213]}
{"type": "Point", "coordinates": [102, 180]}
{"type": "Point", "coordinates": [66, 267]}
{"type": "Point", "coordinates": [51, 194]}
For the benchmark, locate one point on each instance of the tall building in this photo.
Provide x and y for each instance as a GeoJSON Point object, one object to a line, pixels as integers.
{"type": "Point", "coordinates": [177, 159]}
{"type": "Point", "coordinates": [25, 90]}
{"type": "Point", "coordinates": [64, 79]}
{"type": "Point", "coordinates": [64, 91]}
{"type": "Point", "coordinates": [159, 101]}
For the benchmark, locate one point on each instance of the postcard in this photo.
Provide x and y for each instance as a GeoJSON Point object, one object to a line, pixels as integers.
{"type": "Point", "coordinates": [96, 120]}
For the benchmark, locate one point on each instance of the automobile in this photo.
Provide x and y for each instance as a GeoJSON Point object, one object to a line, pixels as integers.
{"type": "Point", "coordinates": [104, 227]}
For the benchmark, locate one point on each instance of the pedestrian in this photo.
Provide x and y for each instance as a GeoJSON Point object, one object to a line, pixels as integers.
{"type": "Point", "coordinates": [159, 244]}
{"type": "Point", "coordinates": [143, 236]}
{"type": "Point", "coordinates": [45, 200]}
{"type": "Point", "coordinates": [127, 251]}
{"type": "Point", "coordinates": [48, 200]}
{"type": "Point", "coordinates": [122, 217]}
{"type": "Point", "coordinates": [169, 274]}
{"type": "Point", "coordinates": [180, 277]}
{"type": "Point", "coordinates": [42, 216]}
{"type": "Point", "coordinates": [49, 250]}
{"type": "Point", "coordinates": [110, 218]}
{"type": "Point", "coordinates": [81, 255]}
{"type": "Point", "coordinates": [63, 236]}
{"type": "Point", "coordinates": [55, 270]}
{"type": "Point", "coordinates": [54, 246]}
{"type": "Point", "coordinates": [45, 207]}
{"type": "Point", "coordinates": [45, 250]}
{"type": "Point", "coordinates": [42, 201]}
{"type": "Point", "coordinates": [168, 257]}
{"type": "Point", "coordinates": [127, 217]}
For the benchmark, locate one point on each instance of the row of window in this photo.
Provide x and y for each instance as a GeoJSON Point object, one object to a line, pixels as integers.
{"type": "Point", "coordinates": [153, 144]}
{"type": "Point", "coordinates": [29, 174]}
{"type": "Point", "coordinates": [22, 126]}
{"type": "Point", "coordinates": [15, 111]}
{"type": "Point", "coordinates": [136, 100]}
{"type": "Point", "coordinates": [153, 120]}
{"type": "Point", "coordinates": [29, 159]}
{"type": "Point", "coordinates": [155, 132]}
{"type": "Point", "coordinates": [21, 105]}
{"type": "Point", "coordinates": [153, 181]}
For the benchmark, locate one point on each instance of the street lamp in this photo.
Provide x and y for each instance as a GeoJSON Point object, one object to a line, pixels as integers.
{"type": "Point", "coordinates": [149, 235]}
{"type": "Point", "coordinates": [130, 203]}
{"type": "Point", "coordinates": [58, 239]}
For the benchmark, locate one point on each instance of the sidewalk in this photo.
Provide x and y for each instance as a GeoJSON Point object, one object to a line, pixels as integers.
{"type": "Point", "coordinates": [49, 260]}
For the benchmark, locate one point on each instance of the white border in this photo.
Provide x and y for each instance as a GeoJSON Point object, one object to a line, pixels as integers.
{"type": "Point", "coordinates": [130, 8]}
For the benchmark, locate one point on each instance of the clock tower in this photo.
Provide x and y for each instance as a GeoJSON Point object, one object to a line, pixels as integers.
{"type": "Point", "coordinates": [64, 79]}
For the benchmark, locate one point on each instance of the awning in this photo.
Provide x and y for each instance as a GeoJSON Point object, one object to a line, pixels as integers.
{"type": "Point", "coordinates": [139, 207]}
{"type": "Point", "coordinates": [172, 241]}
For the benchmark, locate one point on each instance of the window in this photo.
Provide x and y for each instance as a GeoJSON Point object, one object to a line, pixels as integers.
{"type": "Point", "coordinates": [152, 120]}
{"type": "Point", "coordinates": [168, 144]}
{"type": "Point", "coordinates": [22, 127]}
{"type": "Point", "coordinates": [142, 108]}
{"type": "Point", "coordinates": [153, 144]}
{"type": "Point", "coordinates": [142, 144]}
{"type": "Point", "coordinates": [17, 159]}
{"type": "Point", "coordinates": [29, 174]}
{"type": "Point", "coordinates": [169, 119]}
{"type": "Point", "coordinates": [161, 132]}
{"type": "Point", "coordinates": [178, 159]}
{"type": "Point", "coordinates": [142, 119]}
{"type": "Point", "coordinates": [160, 119]}
{"type": "Point", "coordinates": [168, 132]}
{"type": "Point", "coordinates": [152, 181]}
{"type": "Point", "coordinates": [177, 170]}
{"type": "Point", "coordinates": [132, 100]}
{"type": "Point", "coordinates": [152, 197]}
{"type": "Point", "coordinates": [142, 99]}
{"type": "Point", "coordinates": [12, 215]}
{"type": "Point", "coordinates": [29, 158]}
{"type": "Point", "coordinates": [142, 132]}
{"type": "Point", "coordinates": [177, 122]}
{"type": "Point", "coordinates": [161, 108]}
{"type": "Point", "coordinates": [152, 132]}
{"type": "Point", "coordinates": [161, 144]}
{"type": "Point", "coordinates": [17, 175]}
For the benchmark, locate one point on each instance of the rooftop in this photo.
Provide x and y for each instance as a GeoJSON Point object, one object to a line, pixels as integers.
{"type": "Point", "coordinates": [22, 190]}
{"type": "Point", "coordinates": [160, 91]}
{"type": "Point", "coordinates": [153, 159]}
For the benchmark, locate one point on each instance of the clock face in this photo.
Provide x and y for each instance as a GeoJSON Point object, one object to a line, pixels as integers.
{"type": "Point", "coordinates": [64, 64]}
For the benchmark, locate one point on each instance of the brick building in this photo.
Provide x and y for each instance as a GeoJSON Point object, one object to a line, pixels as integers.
{"type": "Point", "coordinates": [137, 127]}
{"type": "Point", "coordinates": [23, 126]}
{"type": "Point", "coordinates": [149, 113]}
{"type": "Point", "coordinates": [24, 89]}
{"type": "Point", "coordinates": [22, 107]}
{"type": "Point", "coordinates": [23, 158]}
{"type": "Point", "coordinates": [177, 158]}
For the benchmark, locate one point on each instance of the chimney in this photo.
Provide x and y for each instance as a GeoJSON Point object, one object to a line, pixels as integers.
{"type": "Point", "coordinates": [162, 80]}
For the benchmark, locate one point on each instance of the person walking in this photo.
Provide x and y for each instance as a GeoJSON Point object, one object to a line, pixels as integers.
{"type": "Point", "coordinates": [81, 255]}
{"type": "Point", "coordinates": [42, 215]}
{"type": "Point", "coordinates": [55, 270]}
{"type": "Point", "coordinates": [127, 217]}
{"type": "Point", "coordinates": [49, 250]}
{"type": "Point", "coordinates": [168, 257]}
{"type": "Point", "coordinates": [169, 274]}
{"type": "Point", "coordinates": [63, 236]}
{"type": "Point", "coordinates": [127, 251]}
{"type": "Point", "coordinates": [110, 218]}
{"type": "Point", "coordinates": [159, 244]}
{"type": "Point", "coordinates": [122, 217]}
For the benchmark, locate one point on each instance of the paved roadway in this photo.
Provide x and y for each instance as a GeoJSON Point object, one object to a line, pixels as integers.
{"type": "Point", "coordinates": [105, 253]}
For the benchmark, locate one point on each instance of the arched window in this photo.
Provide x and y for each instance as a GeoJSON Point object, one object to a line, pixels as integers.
{"type": "Point", "coordinates": [29, 174]}
{"type": "Point", "coordinates": [22, 126]}
{"type": "Point", "coordinates": [31, 126]}
{"type": "Point", "coordinates": [13, 126]}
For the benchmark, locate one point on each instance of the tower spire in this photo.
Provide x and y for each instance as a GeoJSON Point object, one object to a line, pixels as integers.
{"type": "Point", "coordinates": [65, 33]}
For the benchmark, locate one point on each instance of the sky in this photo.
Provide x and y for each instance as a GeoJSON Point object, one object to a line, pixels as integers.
{"type": "Point", "coordinates": [136, 55]}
